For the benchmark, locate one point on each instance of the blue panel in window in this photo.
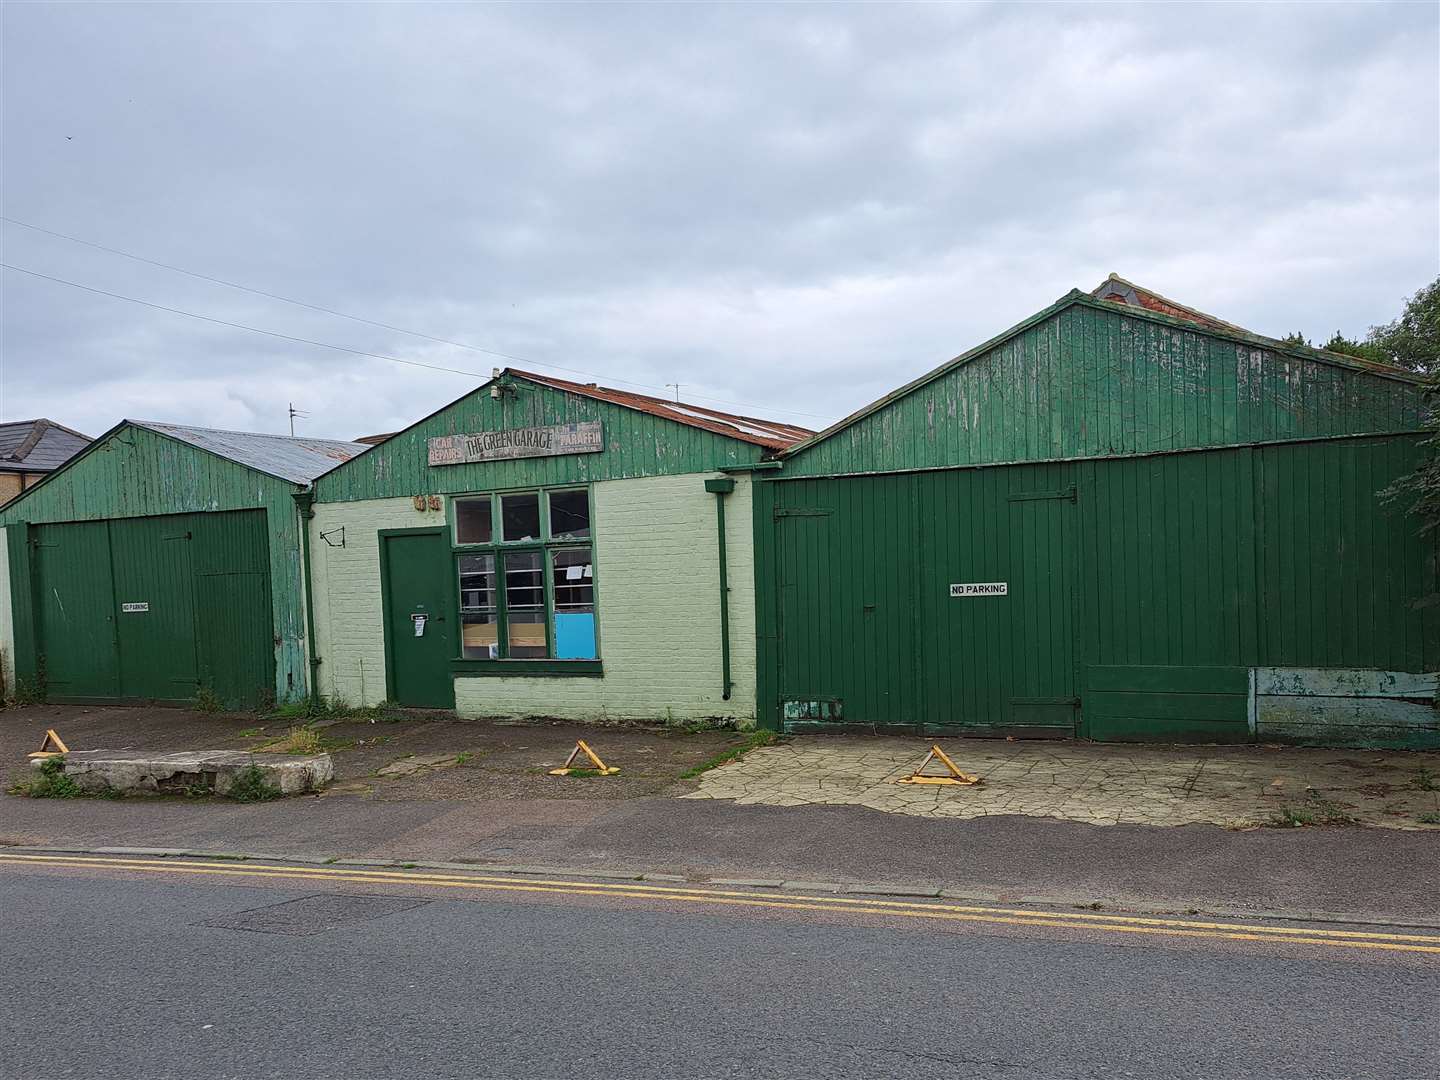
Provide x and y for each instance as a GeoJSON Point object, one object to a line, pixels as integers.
{"type": "Point", "coordinates": [575, 635]}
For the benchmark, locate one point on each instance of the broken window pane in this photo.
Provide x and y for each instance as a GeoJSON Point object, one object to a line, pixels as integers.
{"type": "Point", "coordinates": [520, 514]}
{"type": "Point", "coordinates": [570, 514]}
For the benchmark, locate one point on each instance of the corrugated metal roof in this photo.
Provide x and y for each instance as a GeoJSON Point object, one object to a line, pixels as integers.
{"type": "Point", "coordinates": [767, 433]}
{"type": "Point", "coordinates": [38, 445]}
{"type": "Point", "coordinates": [298, 460]}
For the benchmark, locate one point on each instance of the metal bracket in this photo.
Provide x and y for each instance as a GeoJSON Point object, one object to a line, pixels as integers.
{"type": "Point", "coordinates": [327, 535]}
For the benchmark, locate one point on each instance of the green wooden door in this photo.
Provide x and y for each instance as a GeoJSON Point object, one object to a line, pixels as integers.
{"type": "Point", "coordinates": [155, 608]}
{"type": "Point", "coordinates": [995, 556]}
{"type": "Point", "coordinates": [869, 631]}
{"type": "Point", "coordinates": [75, 611]}
{"type": "Point", "coordinates": [419, 637]}
{"type": "Point", "coordinates": [236, 639]}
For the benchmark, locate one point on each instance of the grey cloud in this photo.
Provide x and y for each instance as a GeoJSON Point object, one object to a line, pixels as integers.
{"type": "Point", "coordinates": [797, 206]}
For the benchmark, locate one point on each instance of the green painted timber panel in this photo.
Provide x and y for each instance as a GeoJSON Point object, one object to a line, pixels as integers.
{"type": "Point", "coordinates": [867, 632]}
{"type": "Point", "coordinates": [77, 654]}
{"type": "Point", "coordinates": [636, 444]}
{"type": "Point", "coordinates": [1177, 574]}
{"type": "Point", "coordinates": [231, 566]}
{"type": "Point", "coordinates": [151, 562]}
{"type": "Point", "coordinates": [135, 472]}
{"type": "Point", "coordinates": [153, 609]}
{"type": "Point", "coordinates": [1092, 380]}
{"type": "Point", "coordinates": [1344, 571]}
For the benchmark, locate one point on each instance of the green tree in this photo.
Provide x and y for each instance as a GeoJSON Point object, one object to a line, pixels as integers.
{"type": "Point", "coordinates": [1412, 340]}
{"type": "Point", "coordinates": [1339, 343]}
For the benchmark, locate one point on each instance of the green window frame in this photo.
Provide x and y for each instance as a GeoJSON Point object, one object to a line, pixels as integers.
{"type": "Point", "coordinates": [509, 592]}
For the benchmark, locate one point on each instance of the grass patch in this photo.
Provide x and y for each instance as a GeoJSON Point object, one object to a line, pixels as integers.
{"type": "Point", "coordinates": [251, 786]}
{"type": "Point", "coordinates": [1430, 817]}
{"type": "Point", "coordinates": [251, 733]}
{"type": "Point", "coordinates": [1426, 780]}
{"type": "Point", "coordinates": [752, 741]}
{"type": "Point", "coordinates": [463, 758]}
{"type": "Point", "coordinates": [49, 782]}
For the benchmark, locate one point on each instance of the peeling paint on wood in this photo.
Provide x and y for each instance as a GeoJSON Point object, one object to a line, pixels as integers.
{"type": "Point", "coordinates": [1093, 380]}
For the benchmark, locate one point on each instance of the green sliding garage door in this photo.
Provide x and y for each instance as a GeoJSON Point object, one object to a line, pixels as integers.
{"type": "Point", "coordinates": [153, 609]}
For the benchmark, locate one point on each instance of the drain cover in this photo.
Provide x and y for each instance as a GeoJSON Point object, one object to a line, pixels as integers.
{"type": "Point", "coordinates": [314, 914]}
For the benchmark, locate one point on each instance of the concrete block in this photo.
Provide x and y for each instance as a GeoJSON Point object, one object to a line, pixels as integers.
{"type": "Point", "coordinates": [132, 770]}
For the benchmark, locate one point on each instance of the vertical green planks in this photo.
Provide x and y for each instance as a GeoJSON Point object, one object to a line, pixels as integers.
{"type": "Point", "coordinates": [137, 473]}
{"type": "Point", "coordinates": [1089, 379]}
{"type": "Point", "coordinates": [75, 632]}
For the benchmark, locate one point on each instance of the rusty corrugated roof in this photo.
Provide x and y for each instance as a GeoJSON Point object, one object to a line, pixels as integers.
{"type": "Point", "coordinates": [768, 433]}
{"type": "Point", "coordinates": [1117, 290]}
{"type": "Point", "coordinates": [298, 460]}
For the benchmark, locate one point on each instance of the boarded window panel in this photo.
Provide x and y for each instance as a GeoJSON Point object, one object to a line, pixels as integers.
{"type": "Point", "coordinates": [570, 515]}
{"type": "Point", "coordinates": [573, 577]}
{"type": "Point", "coordinates": [520, 514]}
{"type": "Point", "coordinates": [473, 523]}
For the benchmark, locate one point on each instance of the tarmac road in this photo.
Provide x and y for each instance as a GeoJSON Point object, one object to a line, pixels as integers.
{"type": "Point", "coordinates": [171, 968]}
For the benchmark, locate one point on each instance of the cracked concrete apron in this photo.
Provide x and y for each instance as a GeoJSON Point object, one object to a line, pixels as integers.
{"type": "Point", "coordinates": [1104, 785]}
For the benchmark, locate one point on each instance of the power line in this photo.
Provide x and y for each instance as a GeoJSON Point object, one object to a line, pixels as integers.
{"type": "Point", "coordinates": [346, 315]}
{"type": "Point", "coordinates": [241, 326]}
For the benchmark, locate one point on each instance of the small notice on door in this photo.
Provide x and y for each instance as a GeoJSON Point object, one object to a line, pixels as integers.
{"type": "Point", "coordinates": [135, 607]}
{"type": "Point", "coordinates": [981, 588]}
{"type": "Point", "coordinates": [419, 621]}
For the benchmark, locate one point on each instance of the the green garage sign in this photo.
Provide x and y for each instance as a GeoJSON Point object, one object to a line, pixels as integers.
{"type": "Point", "coordinates": [582, 438]}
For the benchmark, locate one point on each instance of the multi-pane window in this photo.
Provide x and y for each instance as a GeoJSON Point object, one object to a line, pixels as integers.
{"type": "Point", "coordinates": [526, 575]}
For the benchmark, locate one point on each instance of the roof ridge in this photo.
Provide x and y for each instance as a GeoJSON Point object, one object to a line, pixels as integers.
{"type": "Point", "coordinates": [235, 431]}
{"type": "Point", "coordinates": [775, 434]}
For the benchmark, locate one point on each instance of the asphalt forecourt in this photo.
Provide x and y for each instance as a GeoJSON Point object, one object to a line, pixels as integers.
{"type": "Point", "coordinates": [771, 899]}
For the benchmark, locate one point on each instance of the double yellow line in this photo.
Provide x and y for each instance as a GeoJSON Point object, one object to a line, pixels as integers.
{"type": "Point", "coordinates": [1076, 920]}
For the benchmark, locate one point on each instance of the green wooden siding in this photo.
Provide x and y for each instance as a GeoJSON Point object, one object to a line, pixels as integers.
{"type": "Point", "coordinates": [1150, 597]}
{"type": "Point", "coordinates": [1088, 379]}
{"type": "Point", "coordinates": [138, 473]}
{"type": "Point", "coordinates": [636, 444]}
{"type": "Point", "coordinates": [154, 608]}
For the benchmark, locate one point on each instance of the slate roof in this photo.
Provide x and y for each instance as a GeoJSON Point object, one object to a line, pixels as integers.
{"type": "Point", "coordinates": [298, 460]}
{"type": "Point", "coordinates": [768, 433]}
{"type": "Point", "coordinates": [38, 445]}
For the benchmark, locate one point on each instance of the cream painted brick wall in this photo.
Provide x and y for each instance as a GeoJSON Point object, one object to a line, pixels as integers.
{"type": "Point", "coordinates": [7, 619]}
{"type": "Point", "coordinates": [658, 596]}
{"type": "Point", "coordinates": [659, 608]}
{"type": "Point", "coordinates": [349, 616]}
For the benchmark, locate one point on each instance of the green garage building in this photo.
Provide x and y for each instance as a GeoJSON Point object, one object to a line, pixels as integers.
{"type": "Point", "coordinates": [161, 564]}
{"type": "Point", "coordinates": [1120, 519]}
{"type": "Point", "coordinates": [541, 547]}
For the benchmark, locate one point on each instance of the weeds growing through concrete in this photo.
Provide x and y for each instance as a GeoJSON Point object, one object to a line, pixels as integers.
{"type": "Point", "coordinates": [752, 741]}
{"type": "Point", "coordinates": [49, 782]}
{"type": "Point", "coordinates": [251, 786]}
{"type": "Point", "coordinates": [1320, 812]}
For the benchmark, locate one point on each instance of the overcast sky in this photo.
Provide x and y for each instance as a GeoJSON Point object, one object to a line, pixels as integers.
{"type": "Point", "coordinates": [794, 207]}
